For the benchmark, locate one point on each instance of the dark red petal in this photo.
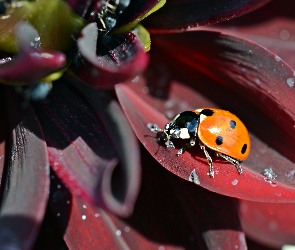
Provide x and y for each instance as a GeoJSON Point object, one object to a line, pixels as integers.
{"type": "Point", "coordinates": [126, 146]}
{"type": "Point", "coordinates": [173, 213]}
{"type": "Point", "coordinates": [271, 26]}
{"type": "Point", "coordinates": [80, 150]}
{"type": "Point", "coordinates": [84, 226]}
{"type": "Point", "coordinates": [270, 224]}
{"type": "Point", "coordinates": [123, 61]}
{"type": "Point", "coordinates": [30, 64]}
{"type": "Point", "coordinates": [185, 15]}
{"type": "Point", "coordinates": [250, 185]}
{"type": "Point", "coordinates": [26, 179]}
{"type": "Point", "coordinates": [170, 213]}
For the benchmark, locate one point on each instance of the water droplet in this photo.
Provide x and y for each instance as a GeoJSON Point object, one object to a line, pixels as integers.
{"type": "Point", "coordinates": [290, 82]}
{"type": "Point", "coordinates": [96, 215]}
{"type": "Point", "coordinates": [84, 206]}
{"type": "Point", "coordinates": [277, 58]}
{"type": "Point", "coordinates": [83, 217]}
{"type": "Point", "coordinates": [118, 232]}
{"type": "Point", "coordinates": [234, 182]}
{"type": "Point", "coordinates": [58, 214]}
{"type": "Point", "coordinates": [127, 229]}
{"type": "Point", "coordinates": [284, 34]}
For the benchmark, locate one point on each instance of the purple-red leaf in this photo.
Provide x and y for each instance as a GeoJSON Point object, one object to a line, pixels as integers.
{"type": "Point", "coordinates": [26, 179]}
{"type": "Point", "coordinates": [30, 64]}
{"type": "Point", "coordinates": [82, 153]}
{"type": "Point", "coordinates": [121, 57]}
{"type": "Point", "coordinates": [270, 224]}
{"type": "Point", "coordinates": [182, 15]}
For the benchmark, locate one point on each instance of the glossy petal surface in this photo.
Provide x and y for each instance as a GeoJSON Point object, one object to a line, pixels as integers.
{"type": "Point", "coordinates": [121, 57]}
{"type": "Point", "coordinates": [26, 175]}
{"type": "Point", "coordinates": [185, 15]}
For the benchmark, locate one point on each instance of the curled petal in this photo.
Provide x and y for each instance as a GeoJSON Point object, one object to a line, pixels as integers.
{"type": "Point", "coordinates": [26, 182]}
{"type": "Point", "coordinates": [126, 145]}
{"type": "Point", "coordinates": [82, 153]}
{"type": "Point", "coordinates": [30, 64]}
{"type": "Point", "coordinates": [123, 58]}
{"type": "Point", "coordinates": [178, 15]}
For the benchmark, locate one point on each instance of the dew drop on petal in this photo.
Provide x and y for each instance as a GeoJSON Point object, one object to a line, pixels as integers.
{"type": "Point", "coordinates": [290, 82]}
{"type": "Point", "coordinates": [96, 215]}
{"type": "Point", "coordinates": [277, 58]}
{"type": "Point", "coordinates": [284, 34]}
{"type": "Point", "coordinates": [83, 217]}
{"type": "Point", "coordinates": [118, 232]}
{"type": "Point", "coordinates": [127, 229]}
{"type": "Point", "coordinates": [234, 182]}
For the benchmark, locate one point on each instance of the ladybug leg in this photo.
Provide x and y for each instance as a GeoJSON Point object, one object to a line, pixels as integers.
{"type": "Point", "coordinates": [232, 161]}
{"type": "Point", "coordinates": [209, 159]}
{"type": "Point", "coordinates": [191, 143]}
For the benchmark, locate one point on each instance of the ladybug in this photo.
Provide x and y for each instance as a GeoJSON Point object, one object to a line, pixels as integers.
{"type": "Point", "coordinates": [216, 129]}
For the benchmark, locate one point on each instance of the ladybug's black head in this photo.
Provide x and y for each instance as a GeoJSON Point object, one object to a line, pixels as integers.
{"type": "Point", "coordinates": [170, 131]}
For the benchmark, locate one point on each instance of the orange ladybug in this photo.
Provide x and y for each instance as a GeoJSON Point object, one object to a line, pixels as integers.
{"type": "Point", "coordinates": [216, 129]}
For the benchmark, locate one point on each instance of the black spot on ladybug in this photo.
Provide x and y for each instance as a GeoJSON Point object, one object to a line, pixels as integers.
{"type": "Point", "coordinates": [244, 148]}
{"type": "Point", "coordinates": [207, 112]}
{"type": "Point", "coordinates": [219, 140]}
{"type": "Point", "coordinates": [232, 124]}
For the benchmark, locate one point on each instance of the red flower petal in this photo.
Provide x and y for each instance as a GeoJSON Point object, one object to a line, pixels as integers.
{"type": "Point", "coordinates": [270, 224]}
{"type": "Point", "coordinates": [122, 61]}
{"type": "Point", "coordinates": [31, 64]}
{"type": "Point", "coordinates": [174, 213]}
{"type": "Point", "coordinates": [184, 15]}
{"type": "Point", "coordinates": [125, 143]}
{"type": "Point", "coordinates": [26, 185]}
{"type": "Point", "coordinates": [166, 204]}
{"type": "Point", "coordinates": [82, 154]}
{"type": "Point", "coordinates": [84, 226]}
{"type": "Point", "coordinates": [272, 26]}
